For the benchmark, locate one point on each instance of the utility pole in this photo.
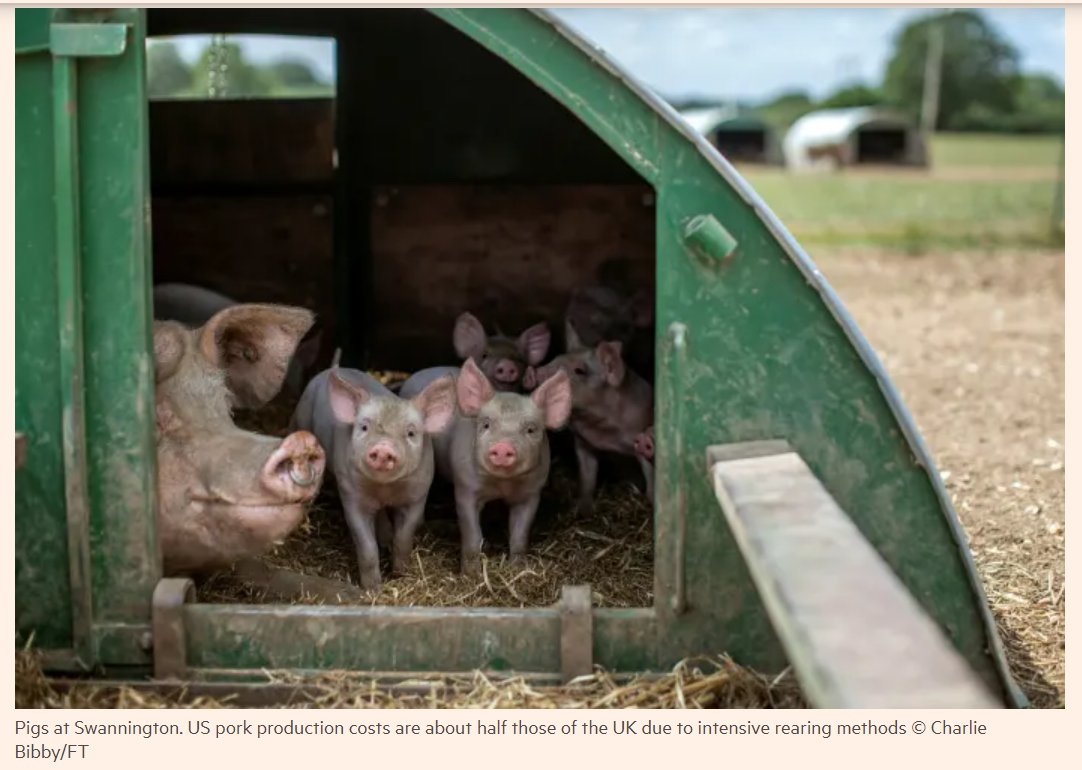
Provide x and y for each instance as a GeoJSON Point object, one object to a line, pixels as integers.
{"type": "Point", "coordinates": [1059, 208]}
{"type": "Point", "coordinates": [933, 69]}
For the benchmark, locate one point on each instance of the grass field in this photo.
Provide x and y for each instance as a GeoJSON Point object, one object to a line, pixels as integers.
{"type": "Point", "coordinates": [980, 192]}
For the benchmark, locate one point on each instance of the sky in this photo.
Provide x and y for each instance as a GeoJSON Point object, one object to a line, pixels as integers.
{"type": "Point", "coordinates": [740, 53]}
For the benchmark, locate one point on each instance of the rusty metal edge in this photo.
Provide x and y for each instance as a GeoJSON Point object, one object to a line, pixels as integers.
{"type": "Point", "coordinates": [167, 627]}
{"type": "Point", "coordinates": [833, 302]}
{"type": "Point", "coordinates": [576, 632]}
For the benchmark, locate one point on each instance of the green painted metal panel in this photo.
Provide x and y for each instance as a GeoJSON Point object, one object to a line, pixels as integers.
{"type": "Point", "coordinates": [42, 594]}
{"type": "Point", "coordinates": [119, 369]}
{"type": "Point", "coordinates": [85, 501]}
{"type": "Point", "coordinates": [88, 39]}
{"type": "Point", "coordinates": [404, 638]}
{"type": "Point", "coordinates": [72, 374]}
{"type": "Point", "coordinates": [32, 30]}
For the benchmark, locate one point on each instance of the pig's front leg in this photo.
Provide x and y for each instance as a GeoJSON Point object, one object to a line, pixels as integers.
{"type": "Point", "coordinates": [362, 525]}
{"type": "Point", "coordinates": [587, 461]}
{"type": "Point", "coordinates": [469, 525]}
{"type": "Point", "coordinates": [406, 521]}
{"type": "Point", "coordinates": [521, 519]}
{"type": "Point", "coordinates": [648, 474]}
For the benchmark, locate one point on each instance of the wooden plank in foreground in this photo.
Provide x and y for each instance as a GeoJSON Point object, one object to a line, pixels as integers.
{"type": "Point", "coordinates": [854, 634]}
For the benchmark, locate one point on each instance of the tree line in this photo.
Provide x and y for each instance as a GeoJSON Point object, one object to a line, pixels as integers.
{"type": "Point", "coordinates": [221, 71]}
{"type": "Point", "coordinates": [982, 87]}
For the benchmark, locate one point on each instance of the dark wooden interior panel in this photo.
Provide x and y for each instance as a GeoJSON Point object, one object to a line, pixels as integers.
{"type": "Point", "coordinates": [254, 249]}
{"type": "Point", "coordinates": [242, 142]}
{"type": "Point", "coordinates": [510, 255]}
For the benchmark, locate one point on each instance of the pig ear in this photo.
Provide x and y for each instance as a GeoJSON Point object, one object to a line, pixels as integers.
{"type": "Point", "coordinates": [469, 337]}
{"type": "Point", "coordinates": [346, 398]}
{"type": "Point", "coordinates": [534, 343]}
{"type": "Point", "coordinates": [253, 344]}
{"type": "Point", "coordinates": [571, 338]}
{"type": "Point", "coordinates": [642, 309]}
{"type": "Point", "coordinates": [437, 404]}
{"type": "Point", "coordinates": [474, 389]}
{"type": "Point", "coordinates": [529, 379]}
{"type": "Point", "coordinates": [610, 354]}
{"type": "Point", "coordinates": [553, 398]}
{"type": "Point", "coordinates": [168, 349]}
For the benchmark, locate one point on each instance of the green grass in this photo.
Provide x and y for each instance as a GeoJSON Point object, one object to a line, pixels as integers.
{"type": "Point", "coordinates": [922, 213]}
{"type": "Point", "coordinates": [993, 150]}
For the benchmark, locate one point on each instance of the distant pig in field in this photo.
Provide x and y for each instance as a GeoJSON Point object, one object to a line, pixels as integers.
{"type": "Point", "coordinates": [502, 359]}
{"type": "Point", "coordinates": [225, 494]}
{"type": "Point", "coordinates": [193, 306]}
{"type": "Point", "coordinates": [497, 449]}
{"type": "Point", "coordinates": [611, 406]}
{"type": "Point", "coordinates": [380, 453]}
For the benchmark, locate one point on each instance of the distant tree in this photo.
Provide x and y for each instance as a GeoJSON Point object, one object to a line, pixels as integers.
{"type": "Point", "coordinates": [294, 72]}
{"type": "Point", "coordinates": [783, 110]}
{"type": "Point", "coordinates": [1038, 110]}
{"type": "Point", "coordinates": [979, 69]}
{"type": "Point", "coordinates": [1040, 104]}
{"type": "Point", "coordinates": [857, 95]}
{"type": "Point", "coordinates": [693, 102]}
{"type": "Point", "coordinates": [167, 73]}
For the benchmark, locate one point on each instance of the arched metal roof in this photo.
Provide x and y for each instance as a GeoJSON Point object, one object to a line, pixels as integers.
{"type": "Point", "coordinates": [834, 126]}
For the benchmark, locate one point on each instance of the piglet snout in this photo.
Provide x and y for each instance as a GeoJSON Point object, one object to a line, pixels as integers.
{"type": "Point", "coordinates": [506, 371]}
{"type": "Point", "coordinates": [381, 457]}
{"type": "Point", "coordinates": [295, 469]}
{"type": "Point", "coordinates": [502, 455]}
{"type": "Point", "coordinates": [644, 446]}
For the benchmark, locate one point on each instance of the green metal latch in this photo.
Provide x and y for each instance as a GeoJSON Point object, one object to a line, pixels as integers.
{"type": "Point", "coordinates": [708, 238]}
{"type": "Point", "coordinates": [88, 39]}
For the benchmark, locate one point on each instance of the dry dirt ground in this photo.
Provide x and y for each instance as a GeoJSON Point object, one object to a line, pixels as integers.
{"type": "Point", "coordinates": [975, 344]}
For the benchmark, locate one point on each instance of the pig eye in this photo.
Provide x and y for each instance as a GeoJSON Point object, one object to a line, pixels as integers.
{"type": "Point", "coordinates": [411, 433]}
{"type": "Point", "coordinates": [364, 426]}
{"type": "Point", "coordinates": [580, 371]}
{"type": "Point", "coordinates": [485, 425]}
{"type": "Point", "coordinates": [531, 429]}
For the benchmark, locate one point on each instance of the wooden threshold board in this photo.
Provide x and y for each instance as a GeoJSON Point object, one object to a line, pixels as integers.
{"type": "Point", "coordinates": [854, 634]}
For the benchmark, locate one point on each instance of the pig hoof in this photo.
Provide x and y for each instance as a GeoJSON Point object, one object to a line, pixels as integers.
{"type": "Point", "coordinates": [400, 569]}
{"type": "Point", "coordinates": [471, 568]}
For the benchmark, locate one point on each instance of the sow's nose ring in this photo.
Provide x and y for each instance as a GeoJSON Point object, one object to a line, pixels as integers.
{"type": "Point", "coordinates": [302, 480]}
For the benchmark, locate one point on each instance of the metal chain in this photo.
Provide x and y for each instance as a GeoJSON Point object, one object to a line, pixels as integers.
{"type": "Point", "coordinates": [217, 67]}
